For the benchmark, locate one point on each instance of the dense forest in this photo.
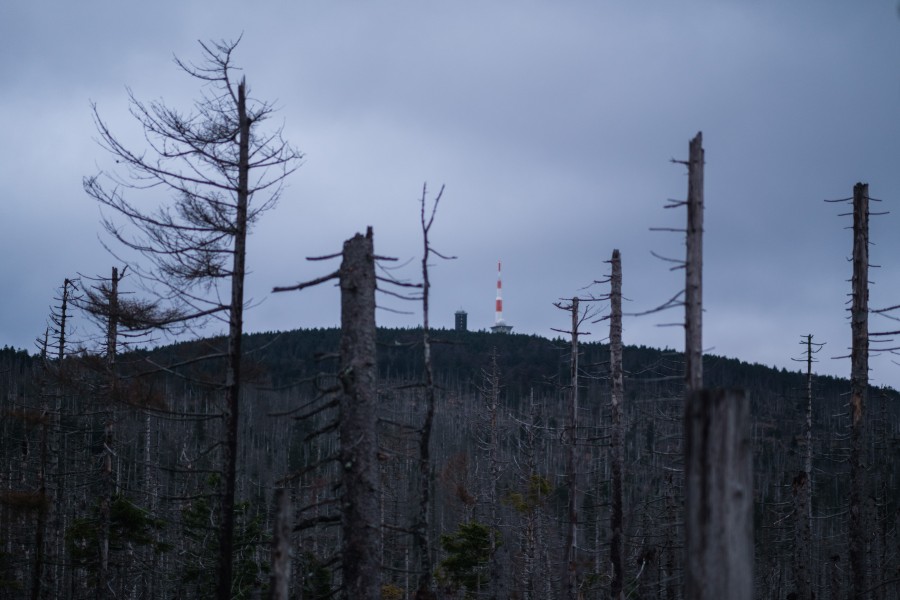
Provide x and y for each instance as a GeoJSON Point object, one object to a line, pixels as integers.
{"type": "Point", "coordinates": [134, 465]}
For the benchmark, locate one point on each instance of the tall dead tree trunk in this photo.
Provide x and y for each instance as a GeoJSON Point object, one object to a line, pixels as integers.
{"type": "Point", "coordinates": [280, 583]}
{"type": "Point", "coordinates": [718, 459]}
{"type": "Point", "coordinates": [718, 496]}
{"type": "Point", "coordinates": [617, 542]}
{"type": "Point", "coordinates": [235, 333]}
{"type": "Point", "coordinates": [359, 468]}
{"type": "Point", "coordinates": [107, 490]}
{"type": "Point", "coordinates": [802, 495]}
{"type": "Point", "coordinates": [859, 381]}
{"type": "Point", "coordinates": [570, 572]}
{"type": "Point", "coordinates": [422, 527]}
{"type": "Point", "coordinates": [693, 290]}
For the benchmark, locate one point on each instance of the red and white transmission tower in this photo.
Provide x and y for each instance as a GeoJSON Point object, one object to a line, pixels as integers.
{"type": "Point", "coordinates": [500, 325]}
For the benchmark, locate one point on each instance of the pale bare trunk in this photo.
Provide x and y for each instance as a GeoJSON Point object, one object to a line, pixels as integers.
{"type": "Point", "coordinates": [570, 574]}
{"type": "Point", "coordinates": [359, 514]}
{"type": "Point", "coordinates": [617, 450]}
{"type": "Point", "coordinates": [693, 291]}
{"type": "Point", "coordinates": [279, 588]}
{"type": "Point", "coordinates": [718, 496]}
{"type": "Point", "coordinates": [859, 381]}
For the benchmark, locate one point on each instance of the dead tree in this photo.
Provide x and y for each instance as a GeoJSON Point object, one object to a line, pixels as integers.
{"type": "Point", "coordinates": [359, 466]}
{"type": "Point", "coordinates": [357, 420]}
{"type": "Point", "coordinates": [718, 496]}
{"type": "Point", "coordinates": [205, 159]}
{"type": "Point", "coordinates": [859, 382]}
{"type": "Point", "coordinates": [717, 457]}
{"type": "Point", "coordinates": [617, 448]}
{"type": "Point", "coordinates": [422, 526]}
{"type": "Point", "coordinates": [802, 489]}
{"type": "Point", "coordinates": [569, 575]}
{"type": "Point", "coordinates": [279, 585]}
{"type": "Point", "coordinates": [693, 288]}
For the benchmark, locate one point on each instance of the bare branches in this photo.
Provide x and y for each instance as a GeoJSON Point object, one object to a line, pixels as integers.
{"type": "Point", "coordinates": [196, 156]}
{"type": "Point", "coordinates": [306, 284]}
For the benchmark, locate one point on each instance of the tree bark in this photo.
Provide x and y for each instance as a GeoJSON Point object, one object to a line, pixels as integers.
{"type": "Point", "coordinates": [802, 495]}
{"type": "Point", "coordinates": [718, 496]}
{"type": "Point", "coordinates": [359, 510]}
{"type": "Point", "coordinates": [859, 381]}
{"type": "Point", "coordinates": [570, 574]}
{"type": "Point", "coordinates": [279, 588]}
{"type": "Point", "coordinates": [693, 290]}
{"type": "Point", "coordinates": [235, 332]}
{"type": "Point", "coordinates": [617, 543]}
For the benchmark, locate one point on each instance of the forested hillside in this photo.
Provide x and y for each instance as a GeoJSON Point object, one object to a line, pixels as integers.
{"type": "Point", "coordinates": [151, 441]}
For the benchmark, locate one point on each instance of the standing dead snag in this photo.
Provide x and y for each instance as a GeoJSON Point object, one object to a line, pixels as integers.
{"type": "Point", "coordinates": [359, 446]}
{"type": "Point", "coordinates": [617, 543]}
{"type": "Point", "coordinates": [357, 418]}
{"type": "Point", "coordinates": [421, 529]}
{"type": "Point", "coordinates": [280, 582]}
{"type": "Point", "coordinates": [859, 381]}
{"type": "Point", "coordinates": [569, 575]}
{"type": "Point", "coordinates": [693, 288]}
{"type": "Point", "coordinates": [718, 496]}
{"type": "Point", "coordinates": [718, 499]}
{"type": "Point", "coordinates": [223, 173]}
{"type": "Point", "coordinates": [802, 489]}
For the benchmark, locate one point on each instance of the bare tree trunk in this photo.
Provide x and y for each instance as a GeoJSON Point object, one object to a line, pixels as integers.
{"type": "Point", "coordinates": [859, 381]}
{"type": "Point", "coordinates": [617, 543]}
{"type": "Point", "coordinates": [802, 492]}
{"type": "Point", "coordinates": [235, 332]}
{"type": "Point", "coordinates": [570, 575]}
{"type": "Point", "coordinates": [359, 510]}
{"type": "Point", "coordinates": [421, 538]}
{"type": "Point", "coordinates": [693, 291]}
{"type": "Point", "coordinates": [718, 496]}
{"type": "Point", "coordinates": [104, 583]}
{"type": "Point", "coordinates": [280, 585]}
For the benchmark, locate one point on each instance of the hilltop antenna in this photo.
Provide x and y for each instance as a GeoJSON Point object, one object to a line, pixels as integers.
{"type": "Point", "coordinates": [500, 325]}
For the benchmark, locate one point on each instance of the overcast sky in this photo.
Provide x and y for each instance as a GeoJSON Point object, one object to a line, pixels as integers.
{"type": "Point", "coordinates": [552, 125]}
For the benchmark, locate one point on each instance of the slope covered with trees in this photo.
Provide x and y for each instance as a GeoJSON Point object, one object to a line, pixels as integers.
{"type": "Point", "coordinates": [499, 469]}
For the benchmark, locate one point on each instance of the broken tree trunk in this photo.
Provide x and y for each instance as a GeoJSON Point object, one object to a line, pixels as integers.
{"type": "Point", "coordinates": [718, 496]}
{"type": "Point", "coordinates": [359, 506]}
{"type": "Point", "coordinates": [693, 289]}
{"type": "Point", "coordinates": [617, 543]}
{"type": "Point", "coordinates": [280, 584]}
{"type": "Point", "coordinates": [570, 562]}
{"type": "Point", "coordinates": [859, 380]}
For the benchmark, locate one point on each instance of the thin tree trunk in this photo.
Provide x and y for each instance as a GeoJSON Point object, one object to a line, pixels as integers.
{"type": "Point", "coordinates": [718, 496]}
{"type": "Point", "coordinates": [617, 543]}
{"type": "Point", "coordinates": [693, 347]}
{"type": "Point", "coordinates": [802, 494]}
{"type": "Point", "coordinates": [235, 332]}
{"type": "Point", "coordinates": [421, 538]}
{"type": "Point", "coordinates": [859, 381]}
{"type": "Point", "coordinates": [359, 514]}
{"type": "Point", "coordinates": [279, 588]}
{"type": "Point", "coordinates": [570, 575]}
{"type": "Point", "coordinates": [104, 584]}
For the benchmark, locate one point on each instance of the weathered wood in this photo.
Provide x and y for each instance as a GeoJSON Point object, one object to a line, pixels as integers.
{"type": "Point", "coordinates": [859, 381]}
{"type": "Point", "coordinates": [802, 496]}
{"type": "Point", "coordinates": [235, 335]}
{"type": "Point", "coordinates": [718, 496]}
{"type": "Point", "coordinates": [617, 450]}
{"type": "Point", "coordinates": [280, 585]}
{"type": "Point", "coordinates": [693, 288]}
{"type": "Point", "coordinates": [570, 566]}
{"type": "Point", "coordinates": [359, 466]}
